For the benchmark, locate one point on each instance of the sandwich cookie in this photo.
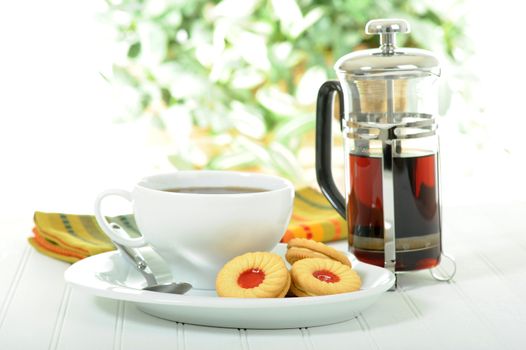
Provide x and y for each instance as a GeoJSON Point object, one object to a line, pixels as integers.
{"type": "Point", "coordinates": [301, 248]}
{"type": "Point", "coordinates": [321, 276]}
{"type": "Point", "coordinates": [254, 275]}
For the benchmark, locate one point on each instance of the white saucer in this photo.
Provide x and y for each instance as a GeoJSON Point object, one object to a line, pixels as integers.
{"type": "Point", "coordinates": [107, 275]}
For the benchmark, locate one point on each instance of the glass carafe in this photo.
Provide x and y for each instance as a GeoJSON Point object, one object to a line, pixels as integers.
{"type": "Point", "coordinates": [388, 105]}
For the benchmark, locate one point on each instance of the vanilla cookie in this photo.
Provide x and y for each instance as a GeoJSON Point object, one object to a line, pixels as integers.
{"type": "Point", "coordinates": [254, 275]}
{"type": "Point", "coordinates": [315, 276]}
{"type": "Point", "coordinates": [301, 248]}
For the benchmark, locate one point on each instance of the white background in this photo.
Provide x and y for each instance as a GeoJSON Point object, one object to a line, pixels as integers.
{"type": "Point", "coordinates": [59, 144]}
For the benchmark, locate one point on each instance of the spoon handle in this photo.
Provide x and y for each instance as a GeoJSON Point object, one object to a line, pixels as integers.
{"type": "Point", "coordinates": [138, 263]}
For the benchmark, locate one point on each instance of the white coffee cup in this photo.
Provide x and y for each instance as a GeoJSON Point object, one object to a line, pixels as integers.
{"type": "Point", "coordinates": [197, 233]}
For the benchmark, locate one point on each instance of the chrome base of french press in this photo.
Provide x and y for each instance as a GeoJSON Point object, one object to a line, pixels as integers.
{"type": "Point", "coordinates": [439, 273]}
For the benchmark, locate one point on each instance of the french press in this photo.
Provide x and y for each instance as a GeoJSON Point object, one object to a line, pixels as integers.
{"type": "Point", "coordinates": [387, 104]}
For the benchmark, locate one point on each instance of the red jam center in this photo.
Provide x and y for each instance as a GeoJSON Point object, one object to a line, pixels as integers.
{"type": "Point", "coordinates": [326, 276]}
{"type": "Point", "coordinates": [251, 278]}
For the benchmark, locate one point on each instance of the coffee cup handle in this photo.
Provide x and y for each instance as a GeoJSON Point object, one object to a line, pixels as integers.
{"type": "Point", "coordinates": [115, 232]}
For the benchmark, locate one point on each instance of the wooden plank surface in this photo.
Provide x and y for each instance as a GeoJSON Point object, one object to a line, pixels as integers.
{"type": "Point", "coordinates": [32, 315]}
{"type": "Point", "coordinates": [484, 307]}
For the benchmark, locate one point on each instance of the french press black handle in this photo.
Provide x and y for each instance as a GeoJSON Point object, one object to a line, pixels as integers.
{"type": "Point", "coordinates": [324, 108]}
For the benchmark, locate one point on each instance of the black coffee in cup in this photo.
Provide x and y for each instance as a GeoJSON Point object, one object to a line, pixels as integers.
{"type": "Point", "coordinates": [216, 190]}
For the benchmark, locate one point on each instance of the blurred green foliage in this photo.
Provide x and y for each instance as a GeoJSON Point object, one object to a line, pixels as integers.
{"type": "Point", "coordinates": [232, 84]}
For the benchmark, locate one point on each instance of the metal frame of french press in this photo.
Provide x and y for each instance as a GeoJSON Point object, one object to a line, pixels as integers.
{"type": "Point", "coordinates": [390, 139]}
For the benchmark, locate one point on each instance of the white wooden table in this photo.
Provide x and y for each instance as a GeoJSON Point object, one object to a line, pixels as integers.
{"type": "Point", "coordinates": [484, 307]}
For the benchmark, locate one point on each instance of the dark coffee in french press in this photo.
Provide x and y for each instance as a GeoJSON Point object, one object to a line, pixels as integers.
{"type": "Point", "coordinates": [388, 101]}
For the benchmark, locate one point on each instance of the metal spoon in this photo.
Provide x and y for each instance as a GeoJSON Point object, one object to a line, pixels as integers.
{"type": "Point", "coordinates": [132, 257]}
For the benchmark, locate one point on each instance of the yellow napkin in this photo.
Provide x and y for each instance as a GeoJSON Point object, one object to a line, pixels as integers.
{"type": "Point", "coordinates": [313, 217]}
{"type": "Point", "coordinates": [71, 237]}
